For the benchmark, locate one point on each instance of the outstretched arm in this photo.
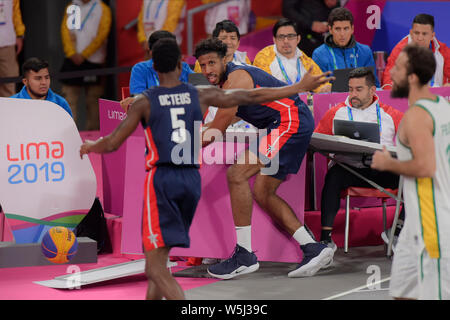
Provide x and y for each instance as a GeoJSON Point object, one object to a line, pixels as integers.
{"type": "Point", "coordinates": [140, 109]}
{"type": "Point", "coordinates": [233, 97]}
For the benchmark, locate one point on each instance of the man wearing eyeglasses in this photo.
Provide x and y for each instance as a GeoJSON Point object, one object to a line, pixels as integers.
{"type": "Point", "coordinates": [283, 59]}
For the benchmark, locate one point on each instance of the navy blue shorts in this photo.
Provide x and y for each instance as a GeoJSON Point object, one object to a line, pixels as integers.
{"type": "Point", "coordinates": [170, 200]}
{"type": "Point", "coordinates": [283, 148]}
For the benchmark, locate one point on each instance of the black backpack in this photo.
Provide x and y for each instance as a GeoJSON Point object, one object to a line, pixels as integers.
{"type": "Point", "coordinates": [94, 226]}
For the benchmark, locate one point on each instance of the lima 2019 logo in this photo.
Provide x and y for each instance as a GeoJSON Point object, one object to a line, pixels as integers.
{"type": "Point", "coordinates": [31, 172]}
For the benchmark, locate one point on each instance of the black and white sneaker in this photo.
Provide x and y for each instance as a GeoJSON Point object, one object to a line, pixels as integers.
{"type": "Point", "coordinates": [316, 256]}
{"type": "Point", "coordinates": [241, 262]}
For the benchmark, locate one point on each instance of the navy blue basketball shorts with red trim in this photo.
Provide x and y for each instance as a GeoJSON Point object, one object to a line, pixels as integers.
{"type": "Point", "coordinates": [284, 146]}
{"type": "Point", "coordinates": [170, 200]}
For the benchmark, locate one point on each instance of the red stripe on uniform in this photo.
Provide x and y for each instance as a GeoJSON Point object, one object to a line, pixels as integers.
{"type": "Point", "coordinates": [206, 113]}
{"type": "Point", "coordinates": [151, 231]}
{"type": "Point", "coordinates": [152, 155]}
{"type": "Point", "coordinates": [289, 125]}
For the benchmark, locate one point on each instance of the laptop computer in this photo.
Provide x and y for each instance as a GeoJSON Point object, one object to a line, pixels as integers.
{"type": "Point", "coordinates": [198, 79]}
{"type": "Point", "coordinates": [341, 82]}
{"type": "Point", "coordinates": [365, 131]}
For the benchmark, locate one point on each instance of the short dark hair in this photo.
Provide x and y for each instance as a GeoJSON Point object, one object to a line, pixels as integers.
{"type": "Point", "coordinates": [283, 22]}
{"type": "Point", "coordinates": [421, 62]}
{"type": "Point", "coordinates": [363, 72]}
{"type": "Point", "coordinates": [210, 45]}
{"type": "Point", "coordinates": [424, 18]}
{"type": "Point", "coordinates": [340, 14]}
{"type": "Point", "coordinates": [227, 26]}
{"type": "Point", "coordinates": [166, 55]}
{"type": "Point", "coordinates": [33, 64]}
{"type": "Point", "coordinates": [157, 35]}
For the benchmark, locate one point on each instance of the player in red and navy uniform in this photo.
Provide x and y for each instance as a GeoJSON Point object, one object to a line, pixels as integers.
{"type": "Point", "coordinates": [289, 124]}
{"type": "Point", "coordinates": [172, 115]}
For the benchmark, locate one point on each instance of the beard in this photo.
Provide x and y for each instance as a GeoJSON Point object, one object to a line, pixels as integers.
{"type": "Point", "coordinates": [36, 94]}
{"type": "Point", "coordinates": [356, 103]}
{"type": "Point", "coordinates": [361, 103]}
{"type": "Point", "coordinates": [400, 90]}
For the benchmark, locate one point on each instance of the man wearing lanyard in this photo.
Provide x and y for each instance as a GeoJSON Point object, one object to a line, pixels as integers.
{"type": "Point", "coordinates": [85, 48]}
{"type": "Point", "coordinates": [362, 104]}
{"type": "Point", "coordinates": [340, 49]}
{"type": "Point", "coordinates": [144, 76]}
{"type": "Point", "coordinates": [422, 33]}
{"type": "Point", "coordinates": [283, 59]}
{"type": "Point", "coordinates": [160, 15]}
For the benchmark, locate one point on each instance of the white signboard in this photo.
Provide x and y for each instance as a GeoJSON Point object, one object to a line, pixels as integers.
{"type": "Point", "coordinates": [41, 173]}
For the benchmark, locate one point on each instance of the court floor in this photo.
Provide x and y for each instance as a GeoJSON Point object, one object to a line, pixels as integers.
{"type": "Point", "coordinates": [361, 274]}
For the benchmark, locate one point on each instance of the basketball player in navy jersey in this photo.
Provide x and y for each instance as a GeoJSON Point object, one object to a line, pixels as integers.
{"type": "Point", "coordinates": [170, 114]}
{"type": "Point", "coordinates": [290, 125]}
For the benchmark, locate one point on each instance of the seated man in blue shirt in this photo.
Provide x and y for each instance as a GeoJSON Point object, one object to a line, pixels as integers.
{"type": "Point", "coordinates": [36, 80]}
{"type": "Point", "coordinates": [144, 76]}
{"type": "Point", "coordinates": [340, 50]}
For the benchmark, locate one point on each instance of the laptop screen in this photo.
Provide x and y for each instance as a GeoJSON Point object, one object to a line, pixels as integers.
{"type": "Point", "coordinates": [366, 131]}
{"type": "Point", "coordinates": [341, 82]}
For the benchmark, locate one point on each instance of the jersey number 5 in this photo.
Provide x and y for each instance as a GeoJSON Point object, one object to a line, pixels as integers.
{"type": "Point", "coordinates": [178, 125]}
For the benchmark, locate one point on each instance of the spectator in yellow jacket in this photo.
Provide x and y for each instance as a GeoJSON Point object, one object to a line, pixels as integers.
{"type": "Point", "coordinates": [160, 15]}
{"type": "Point", "coordinates": [12, 31]}
{"type": "Point", "coordinates": [85, 48]}
{"type": "Point", "coordinates": [283, 59]}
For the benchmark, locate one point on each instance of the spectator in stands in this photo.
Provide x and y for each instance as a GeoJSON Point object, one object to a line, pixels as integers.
{"type": "Point", "coordinates": [340, 50]}
{"type": "Point", "coordinates": [160, 15]}
{"type": "Point", "coordinates": [311, 18]}
{"type": "Point", "coordinates": [84, 49]}
{"type": "Point", "coordinates": [12, 31]}
{"type": "Point", "coordinates": [422, 34]}
{"type": "Point", "coordinates": [144, 76]}
{"type": "Point", "coordinates": [36, 81]}
{"type": "Point", "coordinates": [227, 32]}
{"type": "Point", "coordinates": [362, 104]}
{"type": "Point", "coordinates": [237, 11]}
{"type": "Point", "coordinates": [284, 60]}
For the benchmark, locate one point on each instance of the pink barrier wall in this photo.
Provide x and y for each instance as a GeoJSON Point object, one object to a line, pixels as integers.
{"type": "Point", "coordinates": [113, 164]}
{"type": "Point", "coordinates": [212, 232]}
{"type": "Point", "coordinates": [325, 101]}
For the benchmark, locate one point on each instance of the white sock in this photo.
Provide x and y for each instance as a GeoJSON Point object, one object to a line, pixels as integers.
{"type": "Point", "coordinates": [302, 236]}
{"type": "Point", "coordinates": [244, 237]}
